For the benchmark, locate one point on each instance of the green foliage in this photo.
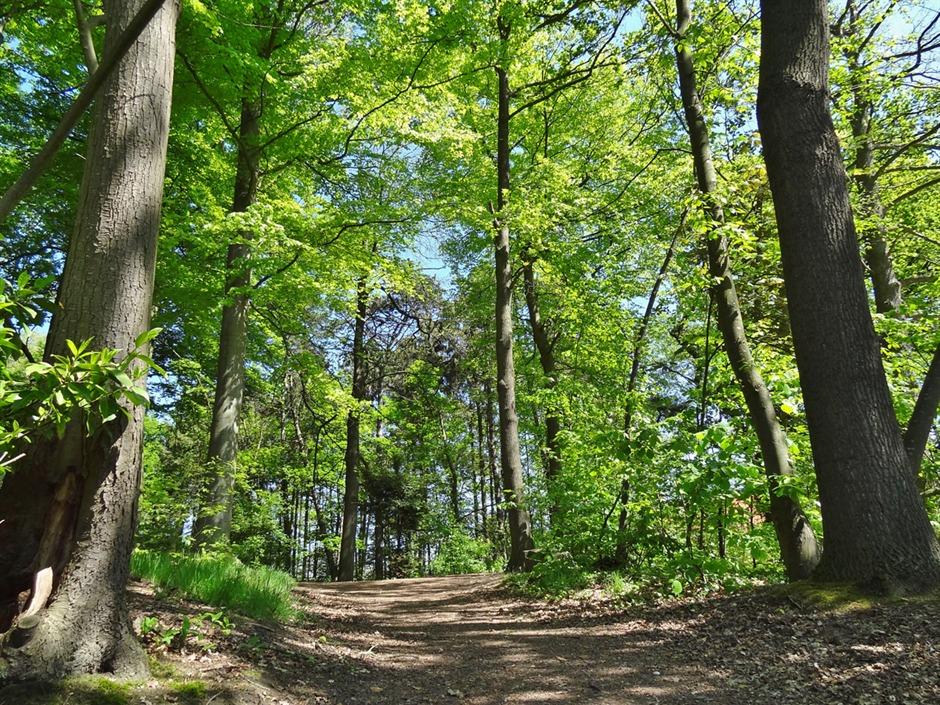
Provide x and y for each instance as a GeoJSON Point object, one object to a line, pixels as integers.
{"type": "Point", "coordinates": [39, 398]}
{"type": "Point", "coordinates": [461, 553]}
{"type": "Point", "coordinates": [200, 632]}
{"type": "Point", "coordinates": [222, 581]}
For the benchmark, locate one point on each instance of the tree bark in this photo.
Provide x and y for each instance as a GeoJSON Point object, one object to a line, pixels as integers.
{"type": "Point", "coordinates": [499, 513]}
{"type": "Point", "coordinates": [922, 418]}
{"type": "Point", "coordinates": [85, 37]}
{"type": "Point", "coordinates": [115, 50]}
{"type": "Point", "coordinates": [214, 523]}
{"type": "Point", "coordinates": [520, 527]}
{"type": "Point", "coordinates": [623, 497]}
{"type": "Point", "coordinates": [72, 514]}
{"type": "Point", "coordinates": [876, 527]}
{"type": "Point", "coordinates": [347, 551]}
{"type": "Point", "coordinates": [798, 548]}
{"type": "Point", "coordinates": [885, 283]}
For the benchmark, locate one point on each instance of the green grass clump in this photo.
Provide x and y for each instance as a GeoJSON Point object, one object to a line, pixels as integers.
{"type": "Point", "coordinates": [189, 689]}
{"type": "Point", "coordinates": [222, 581]}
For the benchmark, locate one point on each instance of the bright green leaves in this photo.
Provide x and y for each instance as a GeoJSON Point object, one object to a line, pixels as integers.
{"type": "Point", "coordinates": [42, 397]}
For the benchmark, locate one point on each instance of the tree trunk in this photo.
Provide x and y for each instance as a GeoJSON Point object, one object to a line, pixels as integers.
{"type": "Point", "coordinates": [347, 550]}
{"type": "Point", "coordinates": [925, 411]}
{"type": "Point", "coordinates": [71, 516]}
{"type": "Point", "coordinates": [378, 543]}
{"type": "Point", "coordinates": [623, 497]}
{"type": "Point", "coordinates": [214, 523]}
{"type": "Point", "coordinates": [546, 353]}
{"type": "Point", "coordinates": [499, 513]}
{"type": "Point", "coordinates": [876, 528]}
{"type": "Point", "coordinates": [798, 548]}
{"type": "Point", "coordinates": [520, 528]}
{"type": "Point", "coordinates": [887, 287]}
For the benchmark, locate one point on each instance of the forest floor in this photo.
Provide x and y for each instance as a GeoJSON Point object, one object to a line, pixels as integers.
{"type": "Point", "coordinates": [467, 640]}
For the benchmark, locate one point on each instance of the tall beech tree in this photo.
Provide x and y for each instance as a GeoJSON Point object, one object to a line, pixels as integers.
{"type": "Point", "coordinates": [876, 528]}
{"type": "Point", "coordinates": [798, 547]}
{"type": "Point", "coordinates": [272, 28]}
{"type": "Point", "coordinates": [520, 525]}
{"type": "Point", "coordinates": [69, 513]}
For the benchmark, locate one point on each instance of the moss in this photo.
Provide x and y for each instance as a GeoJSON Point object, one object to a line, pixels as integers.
{"type": "Point", "coordinates": [846, 597]}
{"type": "Point", "coordinates": [189, 689]}
{"type": "Point", "coordinates": [99, 690]}
{"type": "Point", "coordinates": [162, 670]}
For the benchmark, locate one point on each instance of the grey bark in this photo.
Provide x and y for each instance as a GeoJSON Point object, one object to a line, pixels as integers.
{"type": "Point", "coordinates": [85, 37]}
{"type": "Point", "coordinates": [876, 527]}
{"type": "Point", "coordinates": [885, 283]}
{"type": "Point", "coordinates": [546, 351]}
{"type": "Point", "coordinates": [798, 548]}
{"type": "Point", "coordinates": [639, 344]}
{"type": "Point", "coordinates": [214, 523]}
{"type": "Point", "coordinates": [520, 527]}
{"type": "Point", "coordinates": [498, 512]}
{"type": "Point", "coordinates": [74, 510]}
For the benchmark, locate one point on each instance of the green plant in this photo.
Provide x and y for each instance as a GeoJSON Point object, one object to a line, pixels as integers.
{"type": "Point", "coordinates": [39, 397]}
{"type": "Point", "coordinates": [221, 581]}
{"type": "Point", "coordinates": [460, 553]}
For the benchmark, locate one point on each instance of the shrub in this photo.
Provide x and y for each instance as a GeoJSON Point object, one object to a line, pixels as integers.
{"type": "Point", "coordinates": [460, 553]}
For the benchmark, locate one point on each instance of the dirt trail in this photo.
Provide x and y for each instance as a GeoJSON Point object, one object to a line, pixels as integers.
{"type": "Point", "coordinates": [467, 640]}
{"type": "Point", "coordinates": [463, 639]}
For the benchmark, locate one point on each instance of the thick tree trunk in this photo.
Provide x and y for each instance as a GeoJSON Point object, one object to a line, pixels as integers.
{"type": "Point", "coordinates": [347, 550]}
{"type": "Point", "coordinates": [214, 523]}
{"type": "Point", "coordinates": [71, 515]}
{"type": "Point", "coordinates": [520, 527]}
{"type": "Point", "coordinates": [546, 351]}
{"type": "Point", "coordinates": [798, 548]}
{"type": "Point", "coordinates": [876, 528]}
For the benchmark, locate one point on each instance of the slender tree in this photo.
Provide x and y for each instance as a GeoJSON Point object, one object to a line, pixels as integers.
{"type": "Point", "coordinates": [347, 550]}
{"type": "Point", "coordinates": [520, 525]}
{"type": "Point", "coordinates": [798, 547]}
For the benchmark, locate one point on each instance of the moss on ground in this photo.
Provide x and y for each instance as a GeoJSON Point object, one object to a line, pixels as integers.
{"type": "Point", "coordinates": [103, 690]}
{"type": "Point", "coordinates": [845, 597]}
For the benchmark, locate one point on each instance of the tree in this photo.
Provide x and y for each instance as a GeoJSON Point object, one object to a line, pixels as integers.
{"type": "Point", "coordinates": [798, 547]}
{"type": "Point", "coordinates": [69, 516]}
{"type": "Point", "coordinates": [347, 551]}
{"type": "Point", "coordinates": [876, 528]}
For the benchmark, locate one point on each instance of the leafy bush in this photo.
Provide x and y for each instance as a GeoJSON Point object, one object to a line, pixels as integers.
{"type": "Point", "coordinates": [555, 574]}
{"type": "Point", "coordinates": [222, 581]}
{"type": "Point", "coordinates": [460, 553]}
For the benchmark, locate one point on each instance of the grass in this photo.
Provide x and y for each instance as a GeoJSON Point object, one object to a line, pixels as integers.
{"type": "Point", "coordinates": [222, 581]}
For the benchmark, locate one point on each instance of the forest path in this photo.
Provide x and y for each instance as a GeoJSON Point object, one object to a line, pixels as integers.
{"type": "Point", "coordinates": [466, 639]}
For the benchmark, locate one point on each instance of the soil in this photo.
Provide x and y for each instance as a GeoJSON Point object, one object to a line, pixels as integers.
{"type": "Point", "coordinates": [468, 640]}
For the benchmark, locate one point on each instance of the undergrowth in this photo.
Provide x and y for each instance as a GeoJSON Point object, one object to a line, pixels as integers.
{"type": "Point", "coordinates": [557, 576]}
{"type": "Point", "coordinates": [222, 581]}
